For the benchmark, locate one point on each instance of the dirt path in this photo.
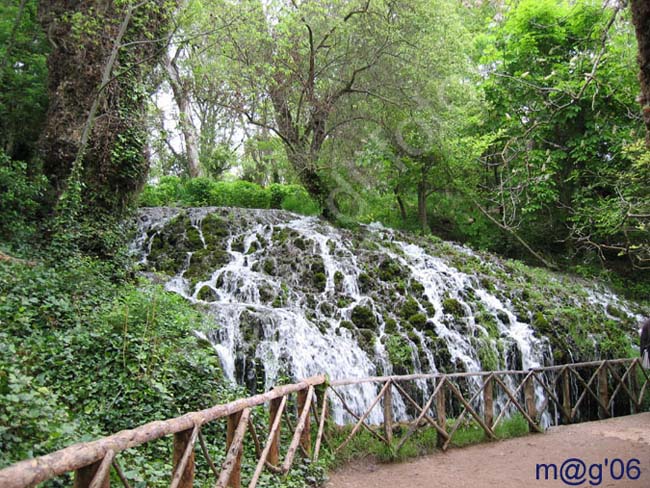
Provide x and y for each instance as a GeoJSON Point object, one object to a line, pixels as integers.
{"type": "Point", "coordinates": [513, 463]}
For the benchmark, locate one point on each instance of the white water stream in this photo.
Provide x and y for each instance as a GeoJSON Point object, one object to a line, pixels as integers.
{"type": "Point", "coordinates": [301, 336]}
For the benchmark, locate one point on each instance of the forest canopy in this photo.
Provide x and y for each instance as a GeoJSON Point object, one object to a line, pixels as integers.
{"type": "Point", "coordinates": [512, 126]}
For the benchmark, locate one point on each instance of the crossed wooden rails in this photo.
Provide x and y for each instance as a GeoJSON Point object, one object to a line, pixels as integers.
{"type": "Point", "coordinates": [92, 462]}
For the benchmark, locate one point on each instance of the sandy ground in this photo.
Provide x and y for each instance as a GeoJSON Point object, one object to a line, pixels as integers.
{"type": "Point", "coordinates": [608, 448]}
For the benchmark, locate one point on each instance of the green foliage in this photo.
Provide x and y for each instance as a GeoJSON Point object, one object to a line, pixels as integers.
{"type": "Point", "coordinates": [198, 192]}
{"type": "Point", "coordinates": [552, 168]}
{"type": "Point", "coordinates": [33, 421]}
{"type": "Point", "coordinates": [399, 350]}
{"type": "Point", "coordinates": [20, 195]}
{"type": "Point", "coordinates": [84, 352]}
{"type": "Point", "coordinates": [423, 441]}
{"type": "Point", "coordinates": [23, 79]}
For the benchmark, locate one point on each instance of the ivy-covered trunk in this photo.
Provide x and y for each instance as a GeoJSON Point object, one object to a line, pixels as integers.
{"type": "Point", "coordinates": [83, 36]}
{"type": "Point", "coordinates": [641, 19]}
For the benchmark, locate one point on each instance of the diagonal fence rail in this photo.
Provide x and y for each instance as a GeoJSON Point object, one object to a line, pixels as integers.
{"type": "Point", "coordinates": [567, 393]}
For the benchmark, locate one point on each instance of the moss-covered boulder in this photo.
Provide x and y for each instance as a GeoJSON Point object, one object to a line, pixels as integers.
{"type": "Point", "coordinates": [453, 307]}
{"type": "Point", "coordinates": [363, 317]}
{"type": "Point", "coordinates": [409, 308]}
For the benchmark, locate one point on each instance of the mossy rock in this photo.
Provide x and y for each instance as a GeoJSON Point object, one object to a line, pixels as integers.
{"type": "Point", "coordinates": [442, 356]}
{"type": "Point", "coordinates": [399, 354]}
{"type": "Point", "coordinates": [503, 317]}
{"type": "Point", "coordinates": [205, 262]}
{"type": "Point", "coordinates": [282, 235]}
{"type": "Point", "coordinates": [252, 327]}
{"type": "Point", "coordinates": [416, 287]}
{"type": "Point", "coordinates": [428, 306]}
{"type": "Point", "coordinates": [269, 267]}
{"type": "Point", "coordinates": [194, 238]}
{"type": "Point", "coordinates": [169, 263]}
{"type": "Point", "coordinates": [318, 266]}
{"type": "Point", "coordinates": [279, 301]}
{"type": "Point", "coordinates": [346, 324]}
{"type": "Point", "coordinates": [418, 320]}
{"type": "Point", "coordinates": [267, 293]}
{"type": "Point", "coordinates": [366, 340]}
{"type": "Point", "coordinates": [453, 307]}
{"type": "Point", "coordinates": [541, 323]}
{"type": "Point", "coordinates": [238, 244]}
{"type": "Point", "coordinates": [207, 294]}
{"type": "Point", "coordinates": [489, 322]}
{"type": "Point", "coordinates": [344, 301]}
{"type": "Point", "coordinates": [409, 308]}
{"type": "Point", "coordinates": [414, 338]}
{"type": "Point", "coordinates": [488, 356]}
{"type": "Point", "coordinates": [488, 283]}
{"type": "Point", "coordinates": [253, 247]}
{"type": "Point", "coordinates": [616, 312]}
{"type": "Point", "coordinates": [215, 230]}
{"type": "Point", "coordinates": [390, 326]}
{"type": "Point", "coordinates": [300, 243]}
{"type": "Point", "coordinates": [319, 281]}
{"type": "Point", "coordinates": [327, 309]}
{"type": "Point", "coordinates": [363, 317]}
{"type": "Point", "coordinates": [365, 282]}
{"type": "Point", "coordinates": [390, 270]}
{"type": "Point", "coordinates": [338, 279]}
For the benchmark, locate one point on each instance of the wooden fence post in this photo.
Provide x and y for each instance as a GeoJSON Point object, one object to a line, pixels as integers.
{"type": "Point", "coordinates": [274, 452]}
{"type": "Point", "coordinates": [235, 476]}
{"type": "Point", "coordinates": [388, 413]}
{"type": "Point", "coordinates": [181, 443]}
{"type": "Point", "coordinates": [603, 392]}
{"type": "Point", "coordinates": [529, 396]}
{"type": "Point", "coordinates": [488, 401]}
{"type": "Point", "coordinates": [634, 389]}
{"type": "Point", "coordinates": [566, 395]}
{"type": "Point", "coordinates": [305, 437]}
{"type": "Point", "coordinates": [441, 414]}
{"type": "Point", "coordinates": [85, 477]}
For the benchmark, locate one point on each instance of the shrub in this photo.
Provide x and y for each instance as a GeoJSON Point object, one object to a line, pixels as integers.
{"type": "Point", "coordinates": [300, 202]}
{"type": "Point", "coordinates": [198, 192]}
{"type": "Point", "coordinates": [201, 192]}
{"type": "Point", "coordinates": [166, 193]}
{"type": "Point", "coordinates": [19, 199]}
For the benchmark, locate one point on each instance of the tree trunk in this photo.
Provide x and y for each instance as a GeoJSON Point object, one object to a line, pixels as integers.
{"type": "Point", "coordinates": [311, 180]}
{"type": "Point", "coordinates": [190, 137]}
{"type": "Point", "coordinates": [115, 162]}
{"type": "Point", "coordinates": [422, 207]}
{"type": "Point", "coordinates": [400, 203]}
{"type": "Point", "coordinates": [641, 20]}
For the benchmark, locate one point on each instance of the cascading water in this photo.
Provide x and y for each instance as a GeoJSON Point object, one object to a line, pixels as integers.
{"type": "Point", "coordinates": [291, 296]}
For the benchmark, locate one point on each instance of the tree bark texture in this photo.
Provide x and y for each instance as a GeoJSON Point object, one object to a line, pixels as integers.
{"type": "Point", "coordinates": [641, 20]}
{"type": "Point", "coordinates": [82, 35]}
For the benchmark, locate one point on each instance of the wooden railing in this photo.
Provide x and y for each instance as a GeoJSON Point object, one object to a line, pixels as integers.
{"type": "Point", "coordinates": [573, 392]}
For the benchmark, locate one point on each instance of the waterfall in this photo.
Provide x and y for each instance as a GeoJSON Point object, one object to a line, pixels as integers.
{"type": "Point", "coordinates": [291, 296]}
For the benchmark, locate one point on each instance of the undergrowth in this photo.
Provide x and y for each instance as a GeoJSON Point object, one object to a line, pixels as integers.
{"type": "Point", "coordinates": [423, 441]}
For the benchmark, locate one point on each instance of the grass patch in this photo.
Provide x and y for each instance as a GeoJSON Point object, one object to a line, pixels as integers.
{"type": "Point", "coordinates": [422, 442]}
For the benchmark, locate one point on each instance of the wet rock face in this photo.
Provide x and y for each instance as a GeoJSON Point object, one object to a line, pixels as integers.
{"type": "Point", "coordinates": [290, 295]}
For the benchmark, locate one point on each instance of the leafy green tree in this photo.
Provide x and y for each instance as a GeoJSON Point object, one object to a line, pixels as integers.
{"type": "Point", "coordinates": [322, 68]}
{"type": "Point", "coordinates": [561, 91]}
{"type": "Point", "coordinates": [23, 78]}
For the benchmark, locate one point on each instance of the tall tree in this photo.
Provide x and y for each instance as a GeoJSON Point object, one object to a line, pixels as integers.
{"type": "Point", "coordinates": [641, 19]}
{"type": "Point", "coordinates": [108, 105]}
{"type": "Point", "coordinates": [561, 92]}
{"type": "Point", "coordinates": [317, 65]}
